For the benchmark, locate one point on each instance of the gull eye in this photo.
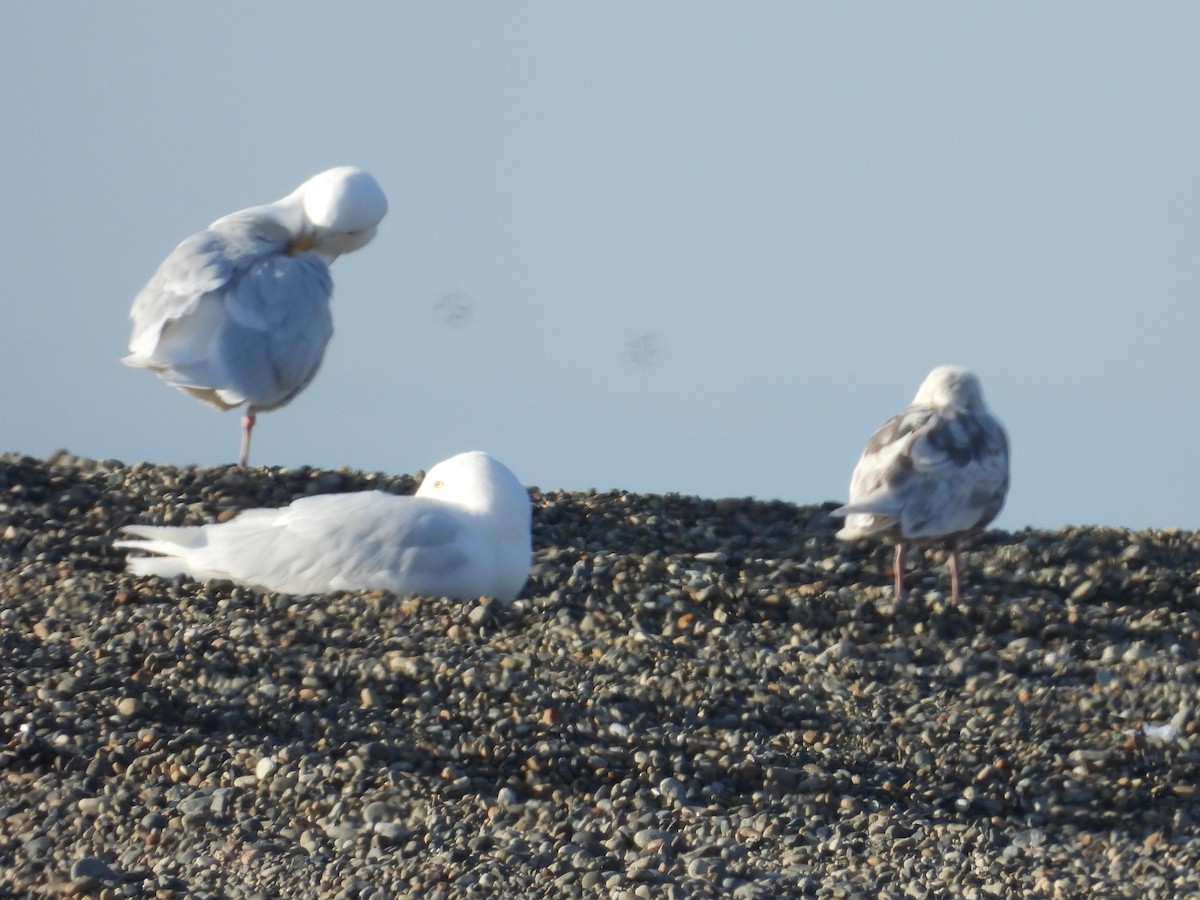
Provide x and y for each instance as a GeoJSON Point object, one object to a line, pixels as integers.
{"type": "Point", "coordinates": [439, 484]}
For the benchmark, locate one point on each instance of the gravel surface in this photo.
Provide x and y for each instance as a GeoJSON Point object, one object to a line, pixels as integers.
{"type": "Point", "coordinates": [690, 698]}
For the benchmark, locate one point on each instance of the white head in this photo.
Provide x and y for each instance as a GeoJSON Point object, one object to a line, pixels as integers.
{"type": "Point", "coordinates": [477, 483]}
{"type": "Point", "coordinates": [951, 387]}
{"type": "Point", "coordinates": [342, 208]}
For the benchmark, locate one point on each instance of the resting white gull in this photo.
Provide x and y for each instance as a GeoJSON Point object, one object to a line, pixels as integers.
{"type": "Point", "coordinates": [465, 533]}
{"type": "Point", "coordinates": [938, 470]}
{"type": "Point", "coordinates": [239, 312]}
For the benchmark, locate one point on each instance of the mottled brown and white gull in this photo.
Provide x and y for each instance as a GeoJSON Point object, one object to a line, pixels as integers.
{"type": "Point", "coordinates": [936, 472]}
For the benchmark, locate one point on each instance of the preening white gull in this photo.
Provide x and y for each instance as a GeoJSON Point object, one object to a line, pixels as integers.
{"type": "Point", "coordinates": [239, 312]}
{"type": "Point", "coordinates": [938, 470]}
{"type": "Point", "coordinates": [465, 533]}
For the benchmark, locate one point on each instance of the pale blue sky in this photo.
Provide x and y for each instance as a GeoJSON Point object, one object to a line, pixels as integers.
{"type": "Point", "coordinates": [702, 248]}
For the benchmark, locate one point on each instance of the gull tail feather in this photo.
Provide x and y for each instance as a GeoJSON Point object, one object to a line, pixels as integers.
{"type": "Point", "coordinates": [864, 518]}
{"type": "Point", "coordinates": [174, 542]}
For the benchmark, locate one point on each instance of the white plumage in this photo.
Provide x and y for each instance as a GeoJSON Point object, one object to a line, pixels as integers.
{"type": "Point", "coordinates": [938, 470]}
{"type": "Point", "coordinates": [465, 533]}
{"type": "Point", "coordinates": [239, 313]}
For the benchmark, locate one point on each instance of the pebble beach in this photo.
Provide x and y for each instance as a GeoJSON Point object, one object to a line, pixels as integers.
{"type": "Point", "coordinates": [690, 698]}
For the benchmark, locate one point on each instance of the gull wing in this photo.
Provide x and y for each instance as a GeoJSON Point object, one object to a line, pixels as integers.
{"type": "Point", "coordinates": [231, 318]}
{"type": "Point", "coordinates": [929, 474]}
{"type": "Point", "coordinates": [325, 543]}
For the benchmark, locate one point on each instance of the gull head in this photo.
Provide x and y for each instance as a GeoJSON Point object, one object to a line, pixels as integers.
{"type": "Point", "coordinates": [951, 387]}
{"type": "Point", "coordinates": [478, 483]}
{"type": "Point", "coordinates": [342, 208]}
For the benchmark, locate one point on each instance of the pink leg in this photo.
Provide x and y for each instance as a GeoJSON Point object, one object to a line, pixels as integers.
{"type": "Point", "coordinates": [898, 568]}
{"type": "Point", "coordinates": [955, 593]}
{"type": "Point", "coordinates": [247, 426]}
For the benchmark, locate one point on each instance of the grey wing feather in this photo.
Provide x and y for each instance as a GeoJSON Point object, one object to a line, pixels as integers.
{"type": "Point", "coordinates": [195, 269]}
{"type": "Point", "coordinates": [385, 540]}
{"type": "Point", "coordinates": [231, 318]}
{"type": "Point", "coordinates": [278, 325]}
